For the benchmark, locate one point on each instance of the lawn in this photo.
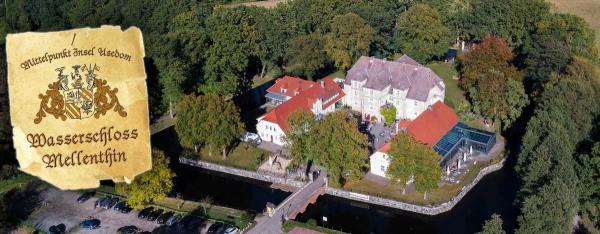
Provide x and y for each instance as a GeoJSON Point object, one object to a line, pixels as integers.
{"type": "Point", "coordinates": [243, 156]}
{"type": "Point", "coordinates": [290, 224]}
{"type": "Point", "coordinates": [19, 181]}
{"type": "Point", "coordinates": [454, 95]}
{"type": "Point", "coordinates": [587, 9]}
{"type": "Point", "coordinates": [392, 191]}
{"type": "Point", "coordinates": [337, 74]}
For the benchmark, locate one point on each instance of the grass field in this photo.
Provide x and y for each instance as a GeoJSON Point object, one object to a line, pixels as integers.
{"type": "Point", "coordinates": [243, 156]}
{"type": "Point", "coordinates": [290, 224]}
{"type": "Point", "coordinates": [21, 180]}
{"type": "Point", "coordinates": [587, 9]}
{"type": "Point", "coordinates": [443, 194]}
{"type": "Point", "coordinates": [454, 95]}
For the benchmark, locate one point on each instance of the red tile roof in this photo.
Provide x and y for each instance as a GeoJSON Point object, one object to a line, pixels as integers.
{"type": "Point", "coordinates": [432, 125]}
{"type": "Point", "coordinates": [305, 100]}
{"type": "Point", "coordinates": [290, 85]}
{"type": "Point", "coordinates": [385, 148]}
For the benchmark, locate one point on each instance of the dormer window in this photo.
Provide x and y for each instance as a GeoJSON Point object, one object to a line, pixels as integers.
{"type": "Point", "coordinates": [283, 90]}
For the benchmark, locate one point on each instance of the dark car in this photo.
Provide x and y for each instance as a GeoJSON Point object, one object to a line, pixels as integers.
{"type": "Point", "coordinates": [128, 230]}
{"type": "Point", "coordinates": [173, 220]}
{"type": "Point", "coordinates": [57, 229]}
{"type": "Point", "coordinates": [145, 212]}
{"type": "Point", "coordinates": [84, 197]}
{"type": "Point", "coordinates": [217, 227]}
{"type": "Point", "coordinates": [126, 209]}
{"type": "Point", "coordinates": [100, 201]}
{"type": "Point", "coordinates": [154, 215]}
{"type": "Point", "coordinates": [112, 202]}
{"type": "Point", "coordinates": [90, 224]}
{"type": "Point", "coordinates": [164, 217]}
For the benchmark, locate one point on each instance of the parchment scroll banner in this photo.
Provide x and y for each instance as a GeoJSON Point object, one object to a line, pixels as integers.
{"type": "Point", "coordinates": [79, 105]}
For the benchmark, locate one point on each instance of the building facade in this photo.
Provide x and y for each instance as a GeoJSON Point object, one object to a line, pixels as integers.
{"type": "Point", "coordinates": [411, 87]}
{"type": "Point", "coordinates": [290, 94]}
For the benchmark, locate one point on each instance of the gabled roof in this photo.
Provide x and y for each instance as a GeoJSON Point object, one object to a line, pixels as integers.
{"type": "Point", "coordinates": [325, 90]}
{"type": "Point", "coordinates": [433, 124]}
{"type": "Point", "coordinates": [403, 74]}
{"type": "Point", "coordinates": [290, 86]}
{"type": "Point", "coordinates": [408, 60]}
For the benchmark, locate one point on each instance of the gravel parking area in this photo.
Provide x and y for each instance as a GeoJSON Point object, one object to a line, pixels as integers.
{"type": "Point", "coordinates": [61, 207]}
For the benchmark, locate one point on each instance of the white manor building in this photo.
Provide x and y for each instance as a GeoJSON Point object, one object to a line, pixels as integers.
{"type": "Point", "coordinates": [290, 94]}
{"type": "Point", "coordinates": [411, 87]}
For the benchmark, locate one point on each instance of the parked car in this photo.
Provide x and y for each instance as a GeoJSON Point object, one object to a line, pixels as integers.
{"type": "Point", "coordinates": [100, 201]}
{"type": "Point", "coordinates": [85, 196]}
{"type": "Point", "coordinates": [231, 230]}
{"type": "Point", "coordinates": [164, 217]}
{"type": "Point", "coordinates": [126, 209]}
{"type": "Point", "coordinates": [90, 224]}
{"type": "Point", "coordinates": [154, 215]}
{"type": "Point", "coordinates": [122, 207]}
{"type": "Point", "coordinates": [251, 137]}
{"type": "Point", "coordinates": [57, 229]}
{"type": "Point", "coordinates": [216, 228]}
{"type": "Point", "coordinates": [173, 220]}
{"type": "Point", "coordinates": [128, 230]}
{"type": "Point", "coordinates": [145, 212]}
{"type": "Point", "coordinates": [111, 202]}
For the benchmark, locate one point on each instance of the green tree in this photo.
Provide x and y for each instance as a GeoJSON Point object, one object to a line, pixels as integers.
{"type": "Point", "coordinates": [410, 158]}
{"type": "Point", "coordinates": [336, 144]}
{"type": "Point", "coordinates": [189, 122]}
{"type": "Point", "coordinates": [234, 39]}
{"type": "Point", "coordinates": [513, 20]}
{"type": "Point", "coordinates": [421, 34]}
{"type": "Point", "coordinates": [300, 135]}
{"type": "Point", "coordinates": [222, 121]}
{"type": "Point", "coordinates": [306, 54]}
{"type": "Point", "coordinates": [151, 185]}
{"type": "Point", "coordinates": [589, 174]}
{"type": "Point", "coordinates": [402, 163]}
{"type": "Point", "coordinates": [389, 114]}
{"type": "Point", "coordinates": [350, 37]}
{"type": "Point", "coordinates": [493, 225]}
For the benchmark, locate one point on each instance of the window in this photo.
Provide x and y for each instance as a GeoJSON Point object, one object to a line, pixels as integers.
{"type": "Point", "coordinates": [382, 168]}
{"type": "Point", "coordinates": [416, 103]}
{"type": "Point", "coordinates": [371, 91]}
{"type": "Point", "coordinates": [355, 92]}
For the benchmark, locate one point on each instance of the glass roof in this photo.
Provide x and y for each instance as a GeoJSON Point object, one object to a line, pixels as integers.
{"type": "Point", "coordinates": [459, 132]}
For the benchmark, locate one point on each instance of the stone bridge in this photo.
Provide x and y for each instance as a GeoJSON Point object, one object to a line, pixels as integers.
{"type": "Point", "coordinates": [291, 206]}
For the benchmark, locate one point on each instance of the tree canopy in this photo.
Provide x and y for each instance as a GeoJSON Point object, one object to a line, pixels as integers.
{"type": "Point", "coordinates": [389, 114]}
{"type": "Point", "coordinates": [350, 37]}
{"type": "Point", "coordinates": [151, 185]}
{"type": "Point", "coordinates": [421, 34]}
{"type": "Point", "coordinates": [493, 225]}
{"type": "Point", "coordinates": [333, 142]}
{"type": "Point", "coordinates": [410, 158]}
{"type": "Point", "coordinates": [306, 54]}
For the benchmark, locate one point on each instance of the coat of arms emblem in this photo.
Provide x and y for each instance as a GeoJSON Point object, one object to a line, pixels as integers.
{"type": "Point", "coordinates": [74, 96]}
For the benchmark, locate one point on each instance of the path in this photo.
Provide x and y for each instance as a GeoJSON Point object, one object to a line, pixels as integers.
{"type": "Point", "coordinates": [291, 206]}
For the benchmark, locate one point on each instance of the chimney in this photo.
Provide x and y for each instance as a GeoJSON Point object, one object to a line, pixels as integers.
{"type": "Point", "coordinates": [429, 107]}
{"type": "Point", "coordinates": [322, 84]}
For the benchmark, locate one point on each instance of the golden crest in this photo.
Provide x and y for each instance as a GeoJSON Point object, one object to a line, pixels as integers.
{"type": "Point", "coordinates": [73, 97]}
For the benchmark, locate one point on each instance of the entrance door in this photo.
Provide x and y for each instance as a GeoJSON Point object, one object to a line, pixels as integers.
{"type": "Point", "coordinates": [271, 138]}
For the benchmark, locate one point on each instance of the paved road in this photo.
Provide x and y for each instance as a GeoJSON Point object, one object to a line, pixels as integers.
{"type": "Point", "coordinates": [62, 208]}
{"type": "Point", "coordinates": [294, 203]}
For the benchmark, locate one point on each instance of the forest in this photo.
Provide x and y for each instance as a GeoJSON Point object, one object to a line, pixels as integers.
{"type": "Point", "coordinates": [533, 71]}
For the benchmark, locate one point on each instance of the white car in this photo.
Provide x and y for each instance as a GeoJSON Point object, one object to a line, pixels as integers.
{"type": "Point", "coordinates": [251, 137]}
{"type": "Point", "coordinates": [232, 230]}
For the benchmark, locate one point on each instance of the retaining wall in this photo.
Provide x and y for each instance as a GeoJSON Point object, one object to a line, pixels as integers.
{"type": "Point", "coordinates": [427, 210]}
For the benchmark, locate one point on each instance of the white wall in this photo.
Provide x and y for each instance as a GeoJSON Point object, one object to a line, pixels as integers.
{"type": "Point", "coordinates": [267, 131]}
{"type": "Point", "coordinates": [379, 163]}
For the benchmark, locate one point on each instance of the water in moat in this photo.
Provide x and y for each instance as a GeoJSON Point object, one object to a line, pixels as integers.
{"type": "Point", "coordinates": [494, 194]}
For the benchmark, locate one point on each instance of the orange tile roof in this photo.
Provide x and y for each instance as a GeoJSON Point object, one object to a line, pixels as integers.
{"type": "Point", "coordinates": [432, 125]}
{"type": "Point", "coordinates": [290, 85]}
{"type": "Point", "coordinates": [385, 148]}
{"type": "Point", "coordinates": [304, 101]}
